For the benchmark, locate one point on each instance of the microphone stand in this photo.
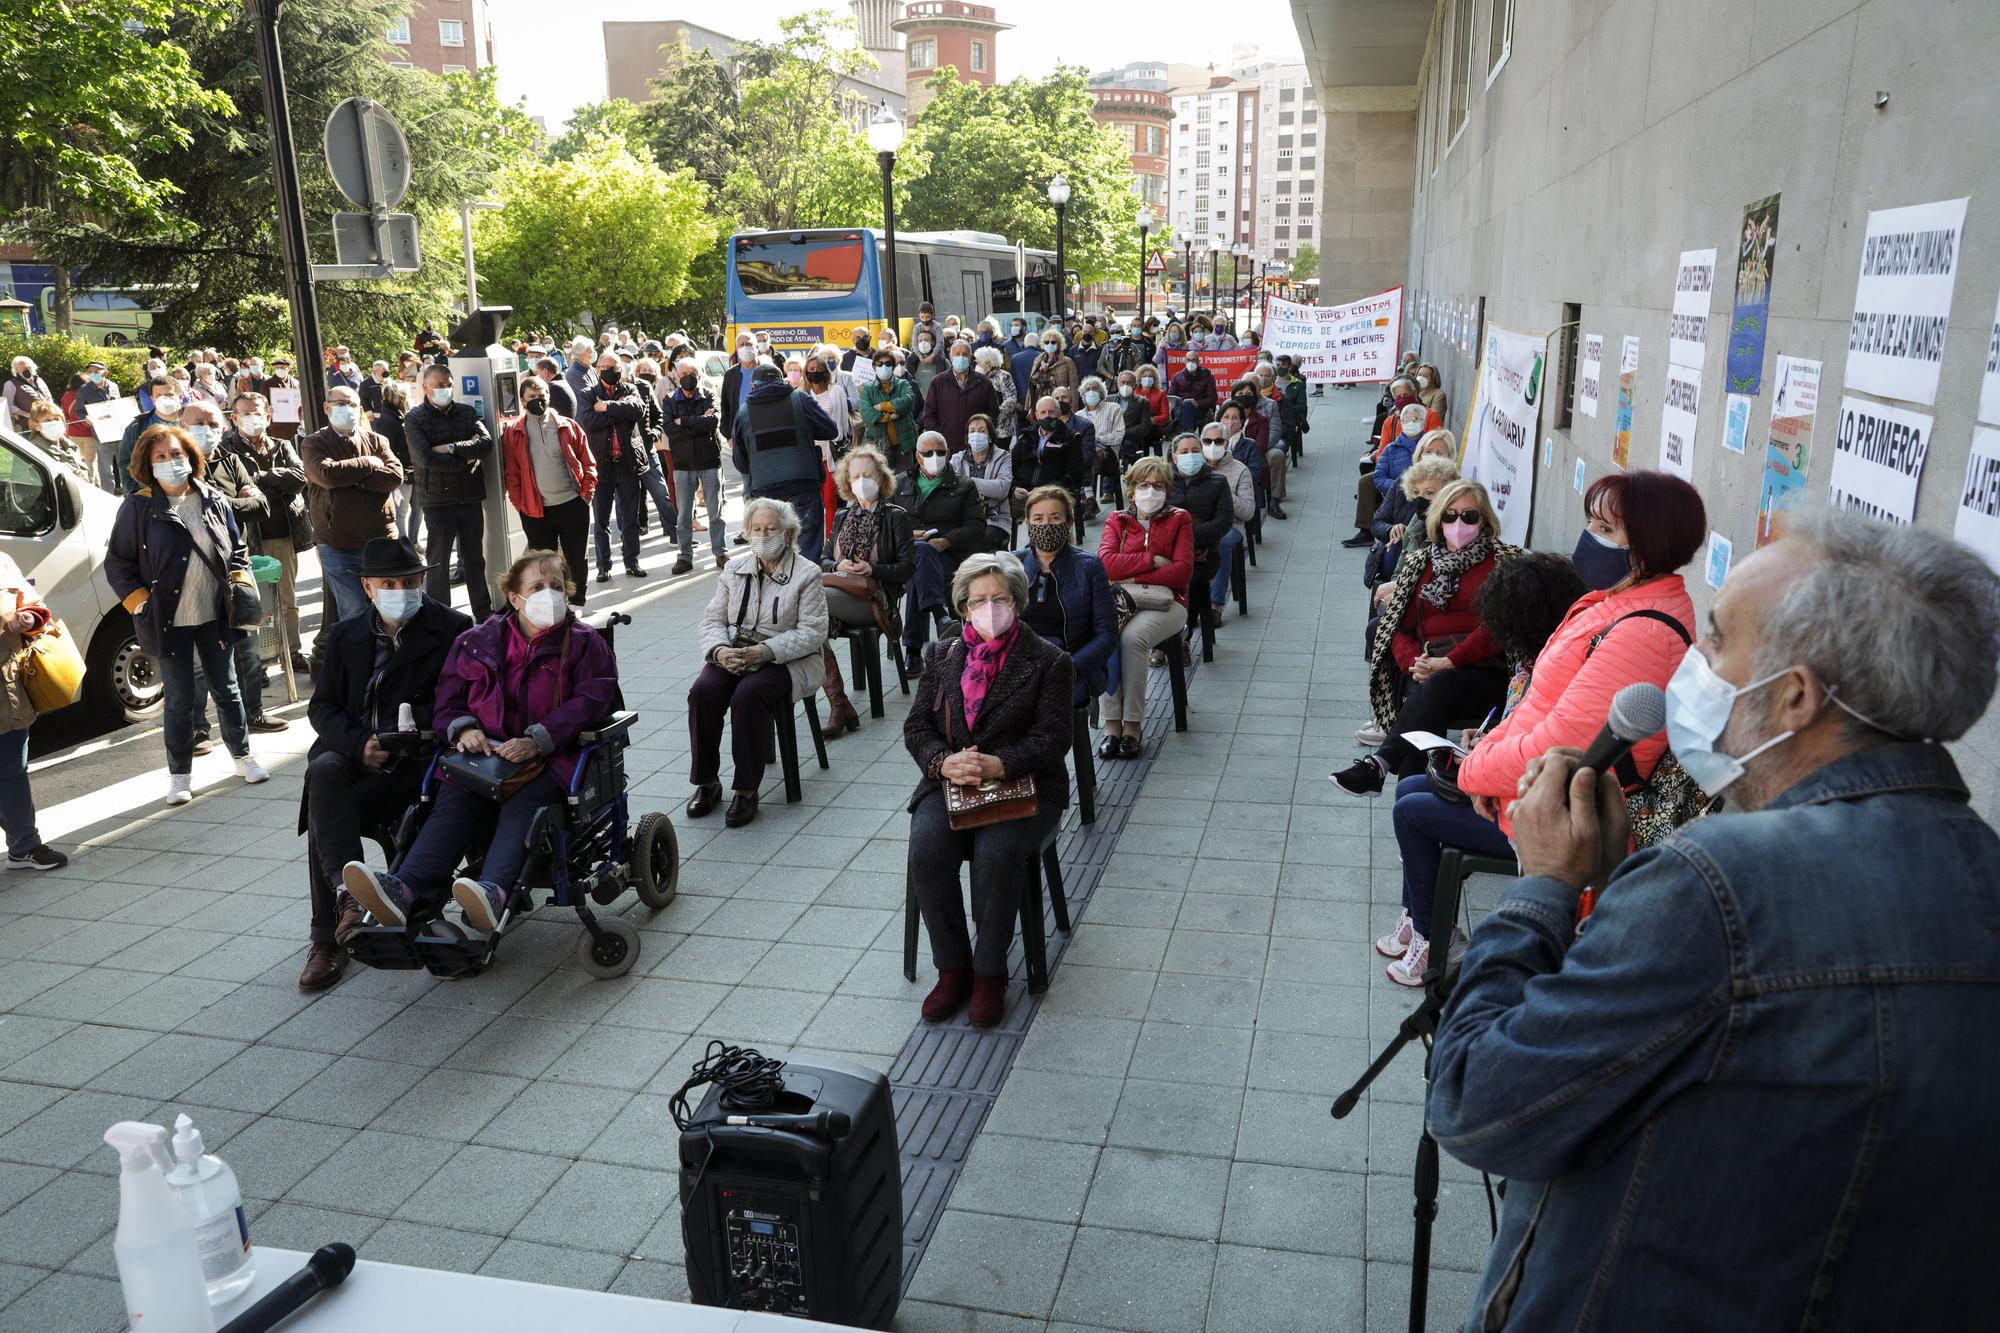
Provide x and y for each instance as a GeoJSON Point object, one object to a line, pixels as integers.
{"type": "Point", "coordinates": [1421, 1024]}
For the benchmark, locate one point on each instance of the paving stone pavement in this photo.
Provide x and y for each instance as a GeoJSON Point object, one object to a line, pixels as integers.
{"type": "Point", "coordinates": [1159, 1157]}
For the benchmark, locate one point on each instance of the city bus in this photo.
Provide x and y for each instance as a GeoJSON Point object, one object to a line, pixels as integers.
{"type": "Point", "coordinates": [820, 284]}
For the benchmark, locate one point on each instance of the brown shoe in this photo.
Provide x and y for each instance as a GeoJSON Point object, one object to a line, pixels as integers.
{"type": "Point", "coordinates": [324, 964]}
{"type": "Point", "coordinates": [953, 986]}
{"type": "Point", "coordinates": [989, 1001]}
{"type": "Point", "coordinates": [349, 921]}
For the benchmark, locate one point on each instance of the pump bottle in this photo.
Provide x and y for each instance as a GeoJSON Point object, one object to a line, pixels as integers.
{"type": "Point", "coordinates": [206, 1188]}
{"type": "Point", "coordinates": [158, 1267]}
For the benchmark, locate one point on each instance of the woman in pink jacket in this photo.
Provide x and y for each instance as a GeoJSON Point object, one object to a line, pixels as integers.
{"type": "Point", "coordinates": [1636, 623]}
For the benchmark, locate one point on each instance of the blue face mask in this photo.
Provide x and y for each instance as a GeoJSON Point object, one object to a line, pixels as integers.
{"type": "Point", "coordinates": [398, 604]}
{"type": "Point", "coordinates": [205, 435]}
{"type": "Point", "coordinates": [1600, 564]}
{"type": "Point", "coordinates": [174, 472]}
{"type": "Point", "coordinates": [1189, 464]}
{"type": "Point", "coordinates": [885, 373]}
{"type": "Point", "coordinates": [961, 364]}
{"type": "Point", "coordinates": [343, 416]}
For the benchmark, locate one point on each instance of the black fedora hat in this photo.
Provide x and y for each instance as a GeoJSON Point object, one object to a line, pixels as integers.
{"type": "Point", "coordinates": [390, 558]}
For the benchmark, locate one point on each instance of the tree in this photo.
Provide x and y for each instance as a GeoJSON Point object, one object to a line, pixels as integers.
{"type": "Point", "coordinates": [615, 119]}
{"type": "Point", "coordinates": [1305, 264]}
{"type": "Point", "coordinates": [982, 158]}
{"type": "Point", "coordinates": [603, 234]}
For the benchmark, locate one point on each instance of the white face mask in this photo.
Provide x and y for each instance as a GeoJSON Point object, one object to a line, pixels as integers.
{"type": "Point", "coordinates": [544, 607]}
{"type": "Point", "coordinates": [169, 406]}
{"type": "Point", "coordinates": [866, 489]}
{"type": "Point", "coordinates": [343, 417]}
{"type": "Point", "coordinates": [1213, 450]}
{"type": "Point", "coordinates": [50, 431]}
{"type": "Point", "coordinates": [441, 396]}
{"type": "Point", "coordinates": [1699, 703]}
{"type": "Point", "coordinates": [932, 464]}
{"type": "Point", "coordinates": [253, 425]}
{"type": "Point", "coordinates": [1149, 499]}
{"type": "Point", "coordinates": [768, 546]}
{"type": "Point", "coordinates": [1124, 391]}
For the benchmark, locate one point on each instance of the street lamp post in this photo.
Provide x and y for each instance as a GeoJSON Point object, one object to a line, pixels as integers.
{"type": "Point", "coordinates": [1059, 196]}
{"type": "Point", "coordinates": [297, 261]}
{"type": "Point", "coordinates": [1214, 280]}
{"type": "Point", "coordinates": [885, 136]}
{"type": "Point", "coordinates": [1187, 277]}
{"type": "Point", "coordinates": [1145, 221]}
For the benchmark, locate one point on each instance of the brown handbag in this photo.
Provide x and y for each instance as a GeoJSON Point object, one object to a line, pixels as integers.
{"type": "Point", "coordinates": [993, 802]}
{"type": "Point", "coordinates": [863, 588]}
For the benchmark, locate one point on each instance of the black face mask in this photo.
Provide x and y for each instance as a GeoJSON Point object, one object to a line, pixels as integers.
{"type": "Point", "coordinates": [817, 377]}
{"type": "Point", "coordinates": [690, 382]}
{"type": "Point", "coordinates": [536, 405]}
{"type": "Point", "coordinates": [1600, 566]}
{"type": "Point", "coordinates": [610, 377]}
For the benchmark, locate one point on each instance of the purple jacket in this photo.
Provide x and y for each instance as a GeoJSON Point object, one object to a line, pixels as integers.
{"type": "Point", "coordinates": [473, 689]}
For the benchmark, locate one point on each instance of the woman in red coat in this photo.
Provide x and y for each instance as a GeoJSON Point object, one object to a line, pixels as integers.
{"type": "Point", "coordinates": [1148, 551]}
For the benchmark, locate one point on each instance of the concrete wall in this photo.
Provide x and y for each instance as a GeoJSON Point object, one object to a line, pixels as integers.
{"type": "Point", "coordinates": [1367, 166]}
{"type": "Point", "coordinates": [1621, 132]}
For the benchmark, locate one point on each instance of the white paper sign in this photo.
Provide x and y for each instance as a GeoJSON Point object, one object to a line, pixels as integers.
{"type": "Point", "coordinates": [1878, 459]}
{"type": "Point", "coordinates": [1978, 523]}
{"type": "Point", "coordinates": [1677, 421]}
{"type": "Point", "coordinates": [109, 418]}
{"type": "Point", "coordinates": [1687, 328]}
{"type": "Point", "coordinates": [1735, 421]}
{"type": "Point", "coordinates": [1501, 450]}
{"type": "Point", "coordinates": [1339, 344]}
{"type": "Point", "coordinates": [1902, 300]}
{"type": "Point", "coordinates": [1591, 372]}
{"type": "Point", "coordinates": [1989, 385]}
{"type": "Point", "coordinates": [1628, 355]}
{"type": "Point", "coordinates": [284, 405]}
{"type": "Point", "coordinates": [1719, 553]}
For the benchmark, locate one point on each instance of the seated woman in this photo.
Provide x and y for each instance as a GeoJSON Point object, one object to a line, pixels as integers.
{"type": "Point", "coordinates": [523, 686]}
{"type": "Point", "coordinates": [763, 641]}
{"type": "Point", "coordinates": [1429, 638]}
{"type": "Point", "coordinates": [1520, 605]}
{"type": "Point", "coordinates": [1106, 414]}
{"type": "Point", "coordinates": [864, 566]}
{"type": "Point", "coordinates": [1069, 599]}
{"type": "Point", "coordinates": [1399, 520]}
{"type": "Point", "coordinates": [993, 706]}
{"type": "Point", "coordinates": [948, 520]}
{"type": "Point", "coordinates": [1148, 550]}
{"type": "Point", "coordinates": [1430, 390]}
{"type": "Point", "coordinates": [988, 464]}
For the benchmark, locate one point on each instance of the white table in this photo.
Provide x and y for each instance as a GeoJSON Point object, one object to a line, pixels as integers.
{"type": "Point", "coordinates": [389, 1298]}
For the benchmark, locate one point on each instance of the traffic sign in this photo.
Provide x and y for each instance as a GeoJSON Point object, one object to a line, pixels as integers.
{"type": "Point", "coordinates": [367, 154]}
{"type": "Point", "coordinates": [1157, 262]}
{"type": "Point", "coordinates": [356, 241]}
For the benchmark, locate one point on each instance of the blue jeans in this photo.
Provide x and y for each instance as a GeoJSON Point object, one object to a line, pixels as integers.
{"type": "Point", "coordinates": [710, 481]}
{"type": "Point", "coordinates": [441, 844]}
{"type": "Point", "coordinates": [17, 798]}
{"type": "Point", "coordinates": [1426, 823]}
{"type": "Point", "coordinates": [812, 517]}
{"type": "Point", "coordinates": [179, 646]}
{"type": "Point", "coordinates": [340, 574]}
{"type": "Point", "coordinates": [1189, 415]}
{"type": "Point", "coordinates": [1218, 590]}
{"type": "Point", "coordinates": [655, 482]}
{"type": "Point", "coordinates": [249, 682]}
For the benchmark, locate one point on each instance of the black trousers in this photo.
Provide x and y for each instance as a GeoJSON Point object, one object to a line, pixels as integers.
{"type": "Point", "coordinates": [342, 799]}
{"type": "Point", "coordinates": [1459, 697]}
{"type": "Point", "coordinates": [749, 703]}
{"type": "Point", "coordinates": [463, 525]}
{"type": "Point", "coordinates": [999, 854]}
{"type": "Point", "coordinates": [566, 528]}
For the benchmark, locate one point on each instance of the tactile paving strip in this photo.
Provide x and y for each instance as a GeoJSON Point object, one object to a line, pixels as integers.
{"type": "Point", "coordinates": [944, 1081]}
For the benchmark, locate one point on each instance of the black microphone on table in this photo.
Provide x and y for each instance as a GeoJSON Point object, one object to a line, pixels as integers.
{"type": "Point", "coordinates": [825, 1124]}
{"type": "Point", "coordinates": [1638, 712]}
{"type": "Point", "coordinates": [327, 1269]}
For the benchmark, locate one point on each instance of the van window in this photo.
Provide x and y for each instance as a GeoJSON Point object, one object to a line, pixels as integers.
{"type": "Point", "coordinates": [27, 495]}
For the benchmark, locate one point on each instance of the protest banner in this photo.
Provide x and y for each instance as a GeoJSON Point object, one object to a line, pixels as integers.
{"type": "Point", "coordinates": [1750, 312]}
{"type": "Point", "coordinates": [1678, 415]}
{"type": "Point", "coordinates": [1902, 300]}
{"type": "Point", "coordinates": [1878, 460]}
{"type": "Point", "coordinates": [1353, 343]}
{"type": "Point", "coordinates": [1621, 429]}
{"type": "Point", "coordinates": [1978, 524]}
{"type": "Point", "coordinates": [1687, 327]}
{"type": "Point", "coordinates": [1227, 367]}
{"type": "Point", "coordinates": [1501, 427]}
{"type": "Point", "coordinates": [1588, 375]}
{"type": "Point", "coordinates": [1790, 446]}
{"type": "Point", "coordinates": [1989, 384]}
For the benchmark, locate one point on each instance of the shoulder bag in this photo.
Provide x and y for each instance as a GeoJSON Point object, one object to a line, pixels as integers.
{"type": "Point", "coordinates": [491, 776]}
{"type": "Point", "coordinates": [1666, 798]}
{"type": "Point", "coordinates": [52, 669]}
{"type": "Point", "coordinates": [993, 802]}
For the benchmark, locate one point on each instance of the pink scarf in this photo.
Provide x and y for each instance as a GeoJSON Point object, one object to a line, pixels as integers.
{"type": "Point", "coordinates": [983, 659]}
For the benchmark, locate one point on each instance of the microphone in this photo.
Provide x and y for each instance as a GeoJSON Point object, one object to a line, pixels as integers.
{"type": "Point", "coordinates": [1638, 712]}
{"type": "Point", "coordinates": [826, 1124]}
{"type": "Point", "coordinates": [327, 1269]}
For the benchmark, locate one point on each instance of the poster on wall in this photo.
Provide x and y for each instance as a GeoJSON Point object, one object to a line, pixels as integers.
{"type": "Point", "coordinates": [1978, 524]}
{"type": "Point", "coordinates": [1717, 566]}
{"type": "Point", "coordinates": [1790, 446]}
{"type": "Point", "coordinates": [1505, 413]}
{"type": "Point", "coordinates": [1989, 384]}
{"type": "Point", "coordinates": [1621, 429]}
{"type": "Point", "coordinates": [1735, 422]}
{"type": "Point", "coordinates": [1878, 460]}
{"type": "Point", "coordinates": [1902, 300]}
{"type": "Point", "coordinates": [1678, 414]}
{"type": "Point", "coordinates": [1687, 327]}
{"type": "Point", "coordinates": [1353, 343]}
{"type": "Point", "coordinates": [1588, 376]}
{"type": "Point", "coordinates": [1750, 312]}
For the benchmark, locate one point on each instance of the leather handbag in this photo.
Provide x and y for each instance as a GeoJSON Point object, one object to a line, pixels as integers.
{"type": "Point", "coordinates": [52, 670]}
{"type": "Point", "coordinates": [863, 588]}
{"type": "Point", "coordinates": [491, 776]}
{"type": "Point", "coordinates": [993, 802]}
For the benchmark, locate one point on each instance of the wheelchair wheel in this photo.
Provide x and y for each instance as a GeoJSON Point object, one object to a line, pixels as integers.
{"type": "Point", "coordinates": [612, 956]}
{"type": "Point", "coordinates": [656, 860]}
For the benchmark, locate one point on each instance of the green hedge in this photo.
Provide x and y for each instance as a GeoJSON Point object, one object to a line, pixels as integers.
{"type": "Point", "coordinates": [58, 358]}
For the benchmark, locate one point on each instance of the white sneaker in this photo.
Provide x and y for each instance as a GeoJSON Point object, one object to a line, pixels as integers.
{"type": "Point", "coordinates": [1409, 969]}
{"type": "Point", "coordinates": [1371, 735]}
{"type": "Point", "coordinates": [250, 770]}
{"type": "Point", "coordinates": [1397, 942]}
{"type": "Point", "coordinates": [180, 788]}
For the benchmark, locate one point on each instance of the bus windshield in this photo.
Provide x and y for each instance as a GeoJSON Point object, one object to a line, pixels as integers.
{"type": "Point", "coordinates": [777, 266]}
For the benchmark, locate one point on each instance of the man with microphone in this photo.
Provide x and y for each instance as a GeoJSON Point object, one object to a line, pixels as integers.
{"type": "Point", "coordinates": [1753, 1091]}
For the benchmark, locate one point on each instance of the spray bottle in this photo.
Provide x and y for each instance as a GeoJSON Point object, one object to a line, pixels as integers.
{"type": "Point", "coordinates": [158, 1267]}
{"type": "Point", "coordinates": [206, 1188]}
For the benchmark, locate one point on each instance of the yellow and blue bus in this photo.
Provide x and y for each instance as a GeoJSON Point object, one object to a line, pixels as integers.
{"type": "Point", "coordinates": [820, 284]}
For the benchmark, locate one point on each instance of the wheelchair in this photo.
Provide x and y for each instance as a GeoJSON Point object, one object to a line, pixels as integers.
{"type": "Point", "coordinates": [582, 850]}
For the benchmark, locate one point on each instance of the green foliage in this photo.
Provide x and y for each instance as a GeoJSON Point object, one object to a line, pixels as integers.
{"type": "Point", "coordinates": [603, 235]}
{"type": "Point", "coordinates": [59, 359]}
{"type": "Point", "coordinates": [615, 119]}
{"type": "Point", "coordinates": [982, 158]}
{"type": "Point", "coordinates": [1305, 263]}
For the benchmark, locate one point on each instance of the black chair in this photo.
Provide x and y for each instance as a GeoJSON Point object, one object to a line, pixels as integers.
{"type": "Point", "coordinates": [1083, 761]}
{"type": "Point", "coordinates": [1239, 577]}
{"type": "Point", "coordinates": [784, 735]}
{"type": "Point", "coordinates": [864, 644]}
{"type": "Point", "coordinates": [1034, 944]}
{"type": "Point", "coordinates": [1455, 866]}
{"type": "Point", "coordinates": [1175, 651]}
{"type": "Point", "coordinates": [1199, 605]}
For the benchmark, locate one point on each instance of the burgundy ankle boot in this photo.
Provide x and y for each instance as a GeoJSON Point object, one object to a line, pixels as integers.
{"type": "Point", "coordinates": [954, 984]}
{"type": "Point", "coordinates": [989, 1000]}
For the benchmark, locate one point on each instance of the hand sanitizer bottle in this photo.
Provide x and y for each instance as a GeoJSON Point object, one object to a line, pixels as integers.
{"type": "Point", "coordinates": [206, 1188]}
{"type": "Point", "coordinates": [158, 1268]}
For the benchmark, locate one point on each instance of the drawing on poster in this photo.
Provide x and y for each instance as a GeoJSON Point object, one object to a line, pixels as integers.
{"type": "Point", "coordinates": [1756, 253]}
{"type": "Point", "coordinates": [1718, 559]}
{"type": "Point", "coordinates": [1978, 524]}
{"type": "Point", "coordinates": [1679, 412]}
{"type": "Point", "coordinates": [1735, 422]}
{"type": "Point", "coordinates": [1878, 460]}
{"type": "Point", "coordinates": [1687, 327]}
{"type": "Point", "coordinates": [1578, 481]}
{"type": "Point", "coordinates": [1790, 445]}
{"type": "Point", "coordinates": [1621, 429]}
{"type": "Point", "coordinates": [1589, 373]}
{"type": "Point", "coordinates": [1902, 300]}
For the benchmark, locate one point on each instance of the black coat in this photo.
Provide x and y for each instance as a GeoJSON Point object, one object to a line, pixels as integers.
{"type": "Point", "coordinates": [561, 397]}
{"type": "Point", "coordinates": [891, 559]}
{"type": "Point", "coordinates": [149, 552]}
{"type": "Point", "coordinates": [390, 427]}
{"type": "Point", "coordinates": [1065, 465]}
{"type": "Point", "coordinates": [1206, 497]}
{"type": "Point", "coordinates": [691, 421]}
{"type": "Point", "coordinates": [954, 509]}
{"type": "Point", "coordinates": [1024, 721]}
{"type": "Point", "coordinates": [278, 476]}
{"type": "Point", "coordinates": [456, 477]}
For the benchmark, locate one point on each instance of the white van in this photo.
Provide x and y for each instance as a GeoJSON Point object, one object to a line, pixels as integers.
{"type": "Point", "coordinates": [57, 527]}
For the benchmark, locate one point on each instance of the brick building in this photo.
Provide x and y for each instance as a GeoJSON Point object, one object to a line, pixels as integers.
{"type": "Point", "coordinates": [937, 33]}
{"type": "Point", "coordinates": [443, 36]}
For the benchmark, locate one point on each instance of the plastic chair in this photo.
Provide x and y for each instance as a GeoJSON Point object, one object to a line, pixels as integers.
{"type": "Point", "coordinates": [1034, 944]}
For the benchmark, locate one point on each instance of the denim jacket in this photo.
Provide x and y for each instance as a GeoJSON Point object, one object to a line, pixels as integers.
{"type": "Point", "coordinates": [1757, 1091]}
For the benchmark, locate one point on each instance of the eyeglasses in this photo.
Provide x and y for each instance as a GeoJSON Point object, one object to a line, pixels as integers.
{"type": "Point", "coordinates": [978, 603]}
{"type": "Point", "coordinates": [1461, 516]}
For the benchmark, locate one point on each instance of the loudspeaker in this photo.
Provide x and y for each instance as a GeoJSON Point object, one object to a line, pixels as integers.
{"type": "Point", "coordinates": [793, 1222]}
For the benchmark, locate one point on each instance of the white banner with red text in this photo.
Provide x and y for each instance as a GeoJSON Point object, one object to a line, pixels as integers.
{"type": "Point", "coordinates": [1338, 344]}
